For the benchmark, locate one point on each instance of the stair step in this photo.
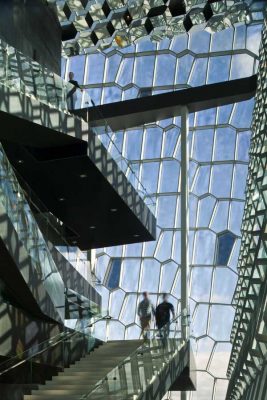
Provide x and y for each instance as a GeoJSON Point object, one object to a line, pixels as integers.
{"type": "Point", "coordinates": [78, 397]}
{"type": "Point", "coordinates": [81, 378]}
{"type": "Point", "coordinates": [44, 397]}
{"type": "Point", "coordinates": [60, 392]}
{"type": "Point", "coordinates": [83, 385]}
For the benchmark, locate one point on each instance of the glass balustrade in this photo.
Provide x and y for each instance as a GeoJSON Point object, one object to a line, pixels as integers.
{"type": "Point", "coordinates": [30, 78]}
{"type": "Point", "coordinates": [19, 213]}
{"type": "Point", "coordinates": [131, 378]}
{"type": "Point", "coordinates": [58, 352]}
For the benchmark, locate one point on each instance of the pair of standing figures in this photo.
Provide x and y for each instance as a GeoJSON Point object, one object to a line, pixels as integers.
{"type": "Point", "coordinates": [162, 314]}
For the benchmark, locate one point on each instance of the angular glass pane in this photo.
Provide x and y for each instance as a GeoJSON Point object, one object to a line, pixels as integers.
{"type": "Point", "coordinates": [223, 286]}
{"type": "Point", "coordinates": [101, 266]}
{"type": "Point", "coordinates": [150, 275]}
{"type": "Point", "coordinates": [116, 331]}
{"type": "Point", "coordinates": [164, 249]}
{"type": "Point", "coordinates": [221, 386]}
{"type": "Point", "coordinates": [116, 300]}
{"type": "Point", "coordinates": [202, 181]}
{"type": "Point", "coordinates": [206, 117]}
{"type": "Point", "coordinates": [76, 65]}
{"type": "Point", "coordinates": [177, 247]}
{"type": "Point", "coordinates": [125, 75]}
{"type": "Point", "coordinates": [129, 309]}
{"type": "Point", "coordinates": [144, 68]}
{"type": "Point", "coordinates": [241, 117]}
{"type": "Point", "coordinates": [170, 140]}
{"type": "Point", "coordinates": [205, 246]}
{"type": "Point", "coordinates": [199, 72]}
{"type": "Point", "coordinates": [133, 250]}
{"type": "Point", "coordinates": [220, 219]}
{"type": "Point", "coordinates": [224, 114]}
{"type": "Point", "coordinates": [206, 207]}
{"type": "Point", "coordinates": [166, 211]}
{"type": "Point", "coordinates": [177, 287]}
{"type": "Point", "coordinates": [153, 139]}
{"type": "Point", "coordinates": [133, 332]}
{"type": "Point", "coordinates": [149, 178]}
{"type": "Point", "coordinates": [254, 38]}
{"type": "Point", "coordinates": [95, 68]}
{"type": "Point", "coordinates": [200, 320]}
{"type": "Point", "coordinates": [235, 254]}
{"type": "Point", "coordinates": [149, 247]}
{"type": "Point", "coordinates": [243, 145]}
{"type": "Point", "coordinates": [222, 40]}
{"type": "Point", "coordinates": [168, 273]}
{"type": "Point", "coordinates": [112, 66]}
{"type": "Point", "coordinates": [184, 68]}
{"type": "Point", "coordinates": [201, 278]}
{"type": "Point", "coordinates": [193, 202]}
{"type": "Point", "coordinates": [242, 66]}
{"type": "Point", "coordinates": [111, 94]}
{"type": "Point", "coordinates": [199, 42]}
{"type": "Point", "coordinates": [130, 274]}
{"type": "Point", "coordinates": [114, 274]}
{"type": "Point", "coordinates": [221, 64]}
{"type": "Point", "coordinates": [179, 43]}
{"type": "Point", "coordinates": [224, 144]}
{"type": "Point", "coordinates": [203, 143]}
{"type": "Point", "coordinates": [133, 144]}
{"type": "Point", "coordinates": [240, 37]}
{"type": "Point", "coordinates": [170, 176]}
{"type": "Point", "coordinates": [240, 177]}
{"type": "Point", "coordinates": [224, 248]}
{"type": "Point", "coordinates": [221, 320]}
{"type": "Point", "coordinates": [221, 180]}
{"type": "Point", "coordinates": [166, 63]}
{"type": "Point", "coordinates": [130, 93]}
{"type": "Point", "coordinates": [115, 251]}
{"type": "Point", "coordinates": [236, 214]}
{"type": "Point", "coordinates": [205, 388]}
{"type": "Point", "coordinates": [204, 350]}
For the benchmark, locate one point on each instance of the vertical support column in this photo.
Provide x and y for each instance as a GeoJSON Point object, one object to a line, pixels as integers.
{"type": "Point", "coordinates": [184, 227]}
{"type": "Point", "coordinates": [184, 221]}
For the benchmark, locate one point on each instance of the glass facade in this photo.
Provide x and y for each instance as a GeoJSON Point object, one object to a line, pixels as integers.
{"type": "Point", "coordinates": [219, 146]}
{"type": "Point", "coordinates": [89, 25]}
{"type": "Point", "coordinates": [247, 367]}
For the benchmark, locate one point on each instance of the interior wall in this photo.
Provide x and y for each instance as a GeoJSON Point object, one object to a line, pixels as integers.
{"type": "Point", "coordinates": [32, 27]}
{"type": "Point", "coordinates": [20, 331]}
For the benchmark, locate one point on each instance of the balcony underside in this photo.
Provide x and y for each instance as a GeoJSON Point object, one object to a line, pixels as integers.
{"type": "Point", "coordinates": [81, 187]}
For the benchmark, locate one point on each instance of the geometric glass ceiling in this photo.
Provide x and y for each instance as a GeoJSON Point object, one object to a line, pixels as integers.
{"type": "Point", "coordinates": [89, 25]}
{"type": "Point", "coordinates": [219, 145]}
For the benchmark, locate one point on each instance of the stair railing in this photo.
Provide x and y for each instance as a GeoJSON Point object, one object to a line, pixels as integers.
{"type": "Point", "coordinates": [139, 370]}
{"type": "Point", "coordinates": [56, 352]}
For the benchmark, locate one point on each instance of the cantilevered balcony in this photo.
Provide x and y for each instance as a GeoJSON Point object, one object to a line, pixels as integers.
{"type": "Point", "coordinates": [65, 163]}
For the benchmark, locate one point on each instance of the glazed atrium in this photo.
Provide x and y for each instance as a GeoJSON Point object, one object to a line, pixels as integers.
{"type": "Point", "coordinates": [133, 165]}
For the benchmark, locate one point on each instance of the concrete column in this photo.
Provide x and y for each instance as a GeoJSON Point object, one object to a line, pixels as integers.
{"type": "Point", "coordinates": [184, 222]}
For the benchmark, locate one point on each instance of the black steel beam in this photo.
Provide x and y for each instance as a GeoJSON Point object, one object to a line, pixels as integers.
{"type": "Point", "coordinates": [140, 111]}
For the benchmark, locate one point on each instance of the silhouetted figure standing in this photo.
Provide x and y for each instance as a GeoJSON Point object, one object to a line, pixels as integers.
{"type": "Point", "coordinates": [163, 316]}
{"type": "Point", "coordinates": [72, 96]}
{"type": "Point", "coordinates": [145, 311]}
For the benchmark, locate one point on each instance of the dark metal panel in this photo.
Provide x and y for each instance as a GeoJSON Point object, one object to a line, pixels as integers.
{"type": "Point", "coordinates": [144, 110]}
{"type": "Point", "coordinates": [81, 203]}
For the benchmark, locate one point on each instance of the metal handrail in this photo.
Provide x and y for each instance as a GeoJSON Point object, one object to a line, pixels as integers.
{"type": "Point", "coordinates": [125, 361]}
{"type": "Point", "coordinates": [64, 336]}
